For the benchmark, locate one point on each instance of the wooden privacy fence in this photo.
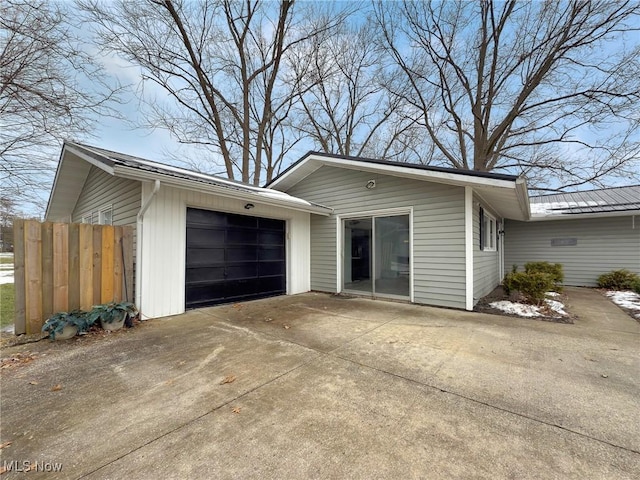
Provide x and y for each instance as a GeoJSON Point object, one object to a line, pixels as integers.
{"type": "Point", "coordinates": [61, 267]}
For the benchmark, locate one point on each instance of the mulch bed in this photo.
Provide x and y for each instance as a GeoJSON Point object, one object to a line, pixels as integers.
{"type": "Point", "coordinates": [498, 294]}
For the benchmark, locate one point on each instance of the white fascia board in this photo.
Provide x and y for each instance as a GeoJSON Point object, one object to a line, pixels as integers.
{"type": "Point", "coordinates": [136, 174]}
{"type": "Point", "coordinates": [578, 216]}
{"type": "Point", "coordinates": [89, 159]}
{"type": "Point", "coordinates": [55, 183]}
{"type": "Point", "coordinates": [399, 171]}
{"type": "Point", "coordinates": [523, 197]}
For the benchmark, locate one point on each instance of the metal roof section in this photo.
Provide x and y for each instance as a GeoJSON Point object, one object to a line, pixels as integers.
{"type": "Point", "coordinates": [135, 168]}
{"type": "Point", "coordinates": [507, 194]}
{"type": "Point", "coordinates": [602, 202]}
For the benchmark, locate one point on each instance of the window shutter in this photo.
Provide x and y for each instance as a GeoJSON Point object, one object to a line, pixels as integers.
{"type": "Point", "coordinates": [481, 228]}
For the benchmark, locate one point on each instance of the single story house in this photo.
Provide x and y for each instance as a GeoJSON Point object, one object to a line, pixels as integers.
{"type": "Point", "coordinates": [328, 223]}
{"type": "Point", "coordinates": [589, 233]}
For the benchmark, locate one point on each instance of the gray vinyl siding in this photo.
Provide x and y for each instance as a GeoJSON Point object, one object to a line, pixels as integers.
{"type": "Point", "coordinates": [603, 244]}
{"type": "Point", "coordinates": [438, 228]}
{"type": "Point", "coordinates": [486, 265]}
{"type": "Point", "coordinates": [101, 190]}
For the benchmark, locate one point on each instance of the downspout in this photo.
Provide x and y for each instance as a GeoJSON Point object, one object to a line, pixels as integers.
{"type": "Point", "coordinates": [139, 230]}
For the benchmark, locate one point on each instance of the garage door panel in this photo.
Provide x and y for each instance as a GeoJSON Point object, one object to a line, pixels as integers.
{"type": "Point", "coordinates": [242, 253]}
{"type": "Point", "coordinates": [242, 271]}
{"type": "Point", "coordinates": [205, 237]}
{"type": "Point", "coordinates": [269, 224]}
{"type": "Point", "coordinates": [270, 237]}
{"type": "Point", "coordinates": [242, 221]}
{"type": "Point", "coordinates": [205, 274]}
{"type": "Point", "coordinates": [242, 236]}
{"type": "Point", "coordinates": [200, 295]}
{"type": "Point", "coordinates": [207, 218]}
{"type": "Point", "coordinates": [205, 256]}
{"type": "Point", "coordinates": [270, 268]}
{"type": "Point", "coordinates": [271, 253]}
{"type": "Point", "coordinates": [233, 257]}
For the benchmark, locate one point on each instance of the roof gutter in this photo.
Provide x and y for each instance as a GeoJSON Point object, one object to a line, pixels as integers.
{"type": "Point", "coordinates": [136, 174]}
{"type": "Point", "coordinates": [140, 233]}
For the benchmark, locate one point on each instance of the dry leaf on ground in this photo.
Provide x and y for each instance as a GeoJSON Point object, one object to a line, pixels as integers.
{"type": "Point", "coordinates": [236, 409]}
{"type": "Point", "coordinates": [56, 388]}
{"type": "Point", "coordinates": [228, 379]}
{"type": "Point", "coordinates": [5, 444]}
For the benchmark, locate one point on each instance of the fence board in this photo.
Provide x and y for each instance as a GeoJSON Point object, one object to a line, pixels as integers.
{"type": "Point", "coordinates": [74, 266]}
{"type": "Point", "coordinates": [127, 255]}
{"type": "Point", "coordinates": [61, 267]}
{"type": "Point", "coordinates": [20, 324]}
{"type": "Point", "coordinates": [47, 270]}
{"type": "Point", "coordinates": [106, 287]}
{"type": "Point", "coordinates": [117, 264]}
{"type": "Point", "coordinates": [97, 265]}
{"type": "Point", "coordinates": [85, 246]}
{"type": "Point", "coordinates": [33, 276]}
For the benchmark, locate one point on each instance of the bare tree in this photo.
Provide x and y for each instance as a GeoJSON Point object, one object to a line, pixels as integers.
{"type": "Point", "coordinates": [41, 98]}
{"type": "Point", "coordinates": [343, 105]}
{"type": "Point", "coordinates": [547, 89]}
{"type": "Point", "coordinates": [221, 62]}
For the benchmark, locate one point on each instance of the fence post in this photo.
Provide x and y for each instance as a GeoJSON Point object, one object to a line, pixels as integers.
{"type": "Point", "coordinates": [20, 322]}
{"type": "Point", "coordinates": [33, 275]}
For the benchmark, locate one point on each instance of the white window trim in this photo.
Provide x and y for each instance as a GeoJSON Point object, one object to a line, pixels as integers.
{"type": "Point", "coordinates": [387, 212]}
{"type": "Point", "coordinates": [490, 234]}
{"type": "Point", "coordinates": [86, 218]}
{"type": "Point", "coordinates": [101, 212]}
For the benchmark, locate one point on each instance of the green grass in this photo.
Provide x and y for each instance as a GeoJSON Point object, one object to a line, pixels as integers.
{"type": "Point", "coordinates": [4, 260]}
{"type": "Point", "coordinates": [7, 304]}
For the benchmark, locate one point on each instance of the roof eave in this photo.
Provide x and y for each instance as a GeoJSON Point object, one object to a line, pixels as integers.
{"type": "Point", "coordinates": [397, 170]}
{"type": "Point", "coordinates": [142, 175]}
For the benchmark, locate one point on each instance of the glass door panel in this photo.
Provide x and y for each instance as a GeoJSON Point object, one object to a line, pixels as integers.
{"type": "Point", "coordinates": [358, 239]}
{"type": "Point", "coordinates": [391, 244]}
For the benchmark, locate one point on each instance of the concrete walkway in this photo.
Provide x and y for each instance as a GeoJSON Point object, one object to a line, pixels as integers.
{"type": "Point", "coordinates": [597, 311]}
{"type": "Point", "coordinates": [315, 386]}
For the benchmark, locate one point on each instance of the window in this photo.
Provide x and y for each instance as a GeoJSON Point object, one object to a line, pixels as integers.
{"type": "Point", "coordinates": [488, 231]}
{"type": "Point", "coordinates": [105, 216]}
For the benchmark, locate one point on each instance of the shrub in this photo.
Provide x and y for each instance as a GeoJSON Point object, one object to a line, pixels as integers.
{"type": "Point", "coordinates": [553, 269]}
{"type": "Point", "coordinates": [619, 280]}
{"type": "Point", "coordinates": [532, 285]}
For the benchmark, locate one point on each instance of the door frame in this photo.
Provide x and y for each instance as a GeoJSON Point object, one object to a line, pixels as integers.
{"type": "Point", "coordinates": [387, 212]}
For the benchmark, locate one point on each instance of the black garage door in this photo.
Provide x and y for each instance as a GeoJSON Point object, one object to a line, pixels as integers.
{"type": "Point", "coordinates": [233, 257]}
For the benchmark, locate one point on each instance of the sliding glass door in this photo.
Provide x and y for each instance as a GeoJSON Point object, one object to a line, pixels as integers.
{"type": "Point", "coordinates": [377, 255]}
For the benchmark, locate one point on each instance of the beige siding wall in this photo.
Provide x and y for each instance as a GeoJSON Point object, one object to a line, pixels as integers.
{"type": "Point", "coordinates": [438, 228]}
{"type": "Point", "coordinates": [486, 265]}
{"type": "Point", "coordinates": [603, 244]}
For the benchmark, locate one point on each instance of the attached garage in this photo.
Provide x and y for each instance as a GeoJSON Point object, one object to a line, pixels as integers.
{"type": "Point", "coordinates": [231, 257]}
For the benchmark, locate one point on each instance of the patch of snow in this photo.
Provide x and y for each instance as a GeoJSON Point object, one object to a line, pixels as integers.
{"type": "Point", "coordinates": [6, 276]}
{"type": "Point", "coordinates": [551, 208]}
{"type": "Point", "coordinates": [557, 307]}
{"type": "Point", "coordinates": [625, 299]}
{"type": "Point", "coordinates": [552, 294]}
{"type": "Point", "coordinates": [517, 308]}
{"type": "Point", "coordinates": [529, 311]}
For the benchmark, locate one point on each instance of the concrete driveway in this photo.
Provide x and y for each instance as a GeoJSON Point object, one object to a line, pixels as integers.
{"type": "Point", "coordinates": [327, 387]}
